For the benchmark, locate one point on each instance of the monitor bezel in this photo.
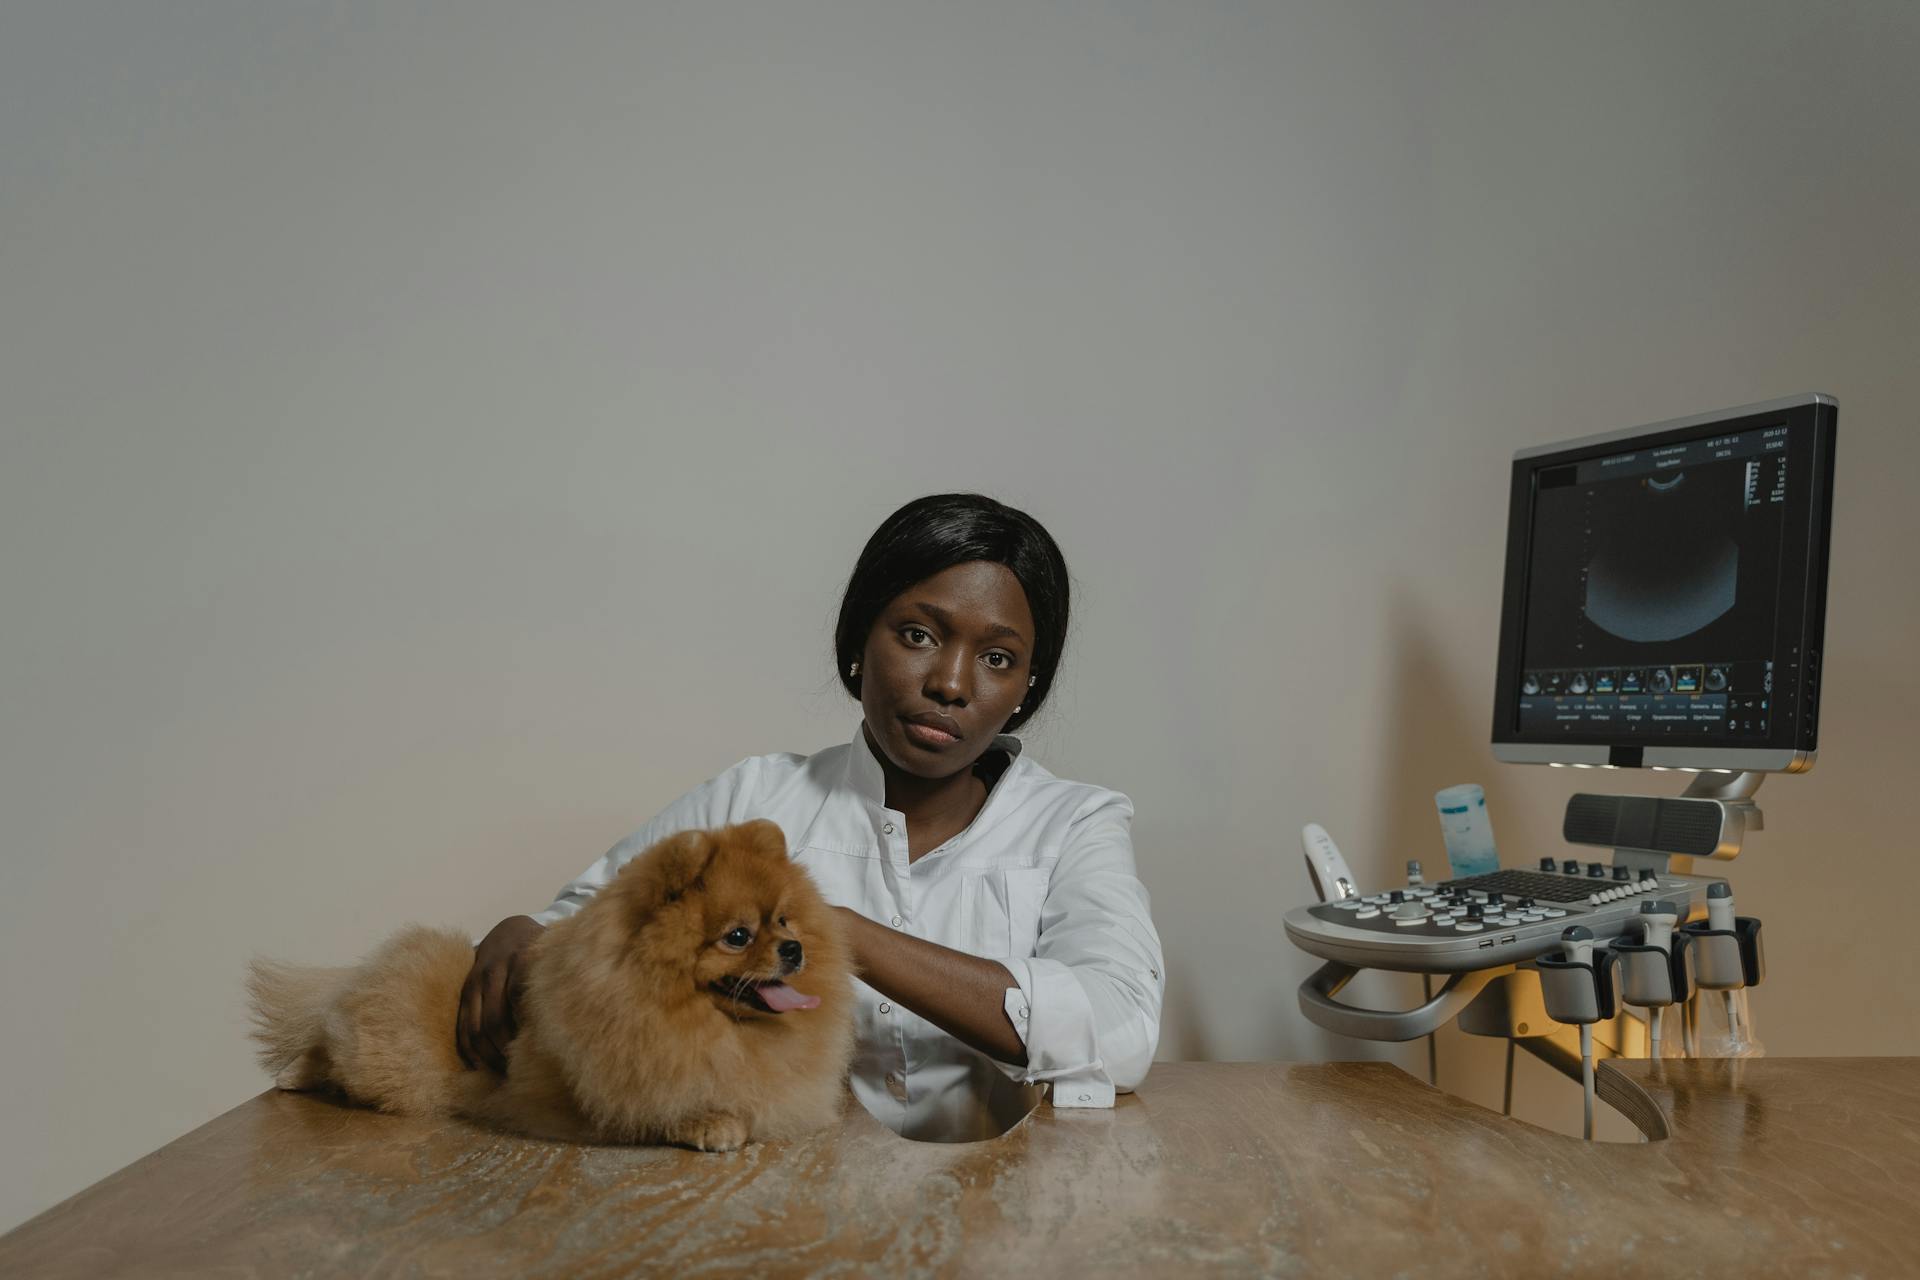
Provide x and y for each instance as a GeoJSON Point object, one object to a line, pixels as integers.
{"type": "Point", "coordinates": [1793, 741]}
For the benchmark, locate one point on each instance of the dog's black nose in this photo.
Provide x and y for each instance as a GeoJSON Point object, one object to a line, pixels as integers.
{"type": "Point", "coordinates": [790, 954]}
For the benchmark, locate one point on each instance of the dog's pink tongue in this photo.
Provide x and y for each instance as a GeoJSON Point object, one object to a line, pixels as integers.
{"type": "Point", "coordinates": [780, 997]}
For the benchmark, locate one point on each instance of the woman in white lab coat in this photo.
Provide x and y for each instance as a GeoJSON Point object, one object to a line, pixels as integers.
{"type": "Point", "coordinates": [1002, 937]}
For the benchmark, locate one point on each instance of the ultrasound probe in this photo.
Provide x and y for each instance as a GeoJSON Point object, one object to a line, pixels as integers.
{"type": "Point", "coordinates": [1657, 919]}
{"type": "Point", "coordinates": [1579, 941]}
{"type": "Point", "coordinates": [1720, 917]}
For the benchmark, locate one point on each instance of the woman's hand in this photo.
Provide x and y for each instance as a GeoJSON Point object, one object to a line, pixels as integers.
{"type": "Point", "coordinates": [486, 1022]}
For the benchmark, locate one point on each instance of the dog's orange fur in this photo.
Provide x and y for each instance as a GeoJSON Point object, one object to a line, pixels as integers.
{"type": "Point", "coordinates": [623, 1037]}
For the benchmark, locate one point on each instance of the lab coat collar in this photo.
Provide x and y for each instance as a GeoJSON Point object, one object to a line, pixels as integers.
{"type": "Point", "coordinates": [863, 767]}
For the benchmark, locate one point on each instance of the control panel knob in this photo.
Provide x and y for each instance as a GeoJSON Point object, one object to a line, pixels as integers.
{"type": "Point", "coordinates": [1548, 864]}
{"type": "Point", "coordinates": [1396, 896]}
{"type": "Point", "coordinates": [1646, 874]}
{"type": "Point", "coordinates": [1474, 912]}
{"type": "Point", "coordinates": [1623, 873]}
{"type": "Point", "coordinates": [1596, 872]}
{"type": "Point", "coordinates": [1496, 899]}
{"type": "Point", "coordinates": [1524, 903]}
{"type": "Point", "coordinates": [1570, 867]}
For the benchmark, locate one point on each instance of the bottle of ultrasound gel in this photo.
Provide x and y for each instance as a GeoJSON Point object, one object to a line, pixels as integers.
{"type": "Point", "coordinates": [1467, 830]}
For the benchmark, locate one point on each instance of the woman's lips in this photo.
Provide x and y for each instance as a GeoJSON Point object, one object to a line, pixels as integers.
{"type": "Point", "coordinates": [929, 735]}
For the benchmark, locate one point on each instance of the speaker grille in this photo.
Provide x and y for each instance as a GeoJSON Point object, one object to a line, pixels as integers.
{"type": "Point", "coordinates": [1687, 826]}
{"type": "Point", "coordinates": [1589, 820]}
{"type": "Point", "coordinates": [1690, 827]}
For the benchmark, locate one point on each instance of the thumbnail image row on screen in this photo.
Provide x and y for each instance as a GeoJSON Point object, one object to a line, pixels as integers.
{"type": "Point", "coordinates": [1681, 677]}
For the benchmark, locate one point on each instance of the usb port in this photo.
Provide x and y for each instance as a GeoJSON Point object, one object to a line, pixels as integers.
{"type": "Point", "coordinates": [1508, 938]}
{"type": "Point", "coordinates": [1486, 944]}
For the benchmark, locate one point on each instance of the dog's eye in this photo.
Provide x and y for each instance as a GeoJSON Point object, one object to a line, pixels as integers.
{"type": "Point", "coordinates": [738, 937]}
{"type": "Point", "coordinates": [783, 922]}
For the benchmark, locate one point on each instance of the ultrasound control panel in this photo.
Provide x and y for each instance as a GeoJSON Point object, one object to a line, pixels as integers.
{"type": "Point", "coordinates": [1480, 921]}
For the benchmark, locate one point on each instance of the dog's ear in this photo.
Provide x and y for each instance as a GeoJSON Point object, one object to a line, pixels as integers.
{"type": "Point", "coordinates": [766, 839]}
{"type": "Point", "coordinates": [680, 862]}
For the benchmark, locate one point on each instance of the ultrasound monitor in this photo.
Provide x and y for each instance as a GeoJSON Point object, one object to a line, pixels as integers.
{"type": "Point", "coordinates": [1666, 593]}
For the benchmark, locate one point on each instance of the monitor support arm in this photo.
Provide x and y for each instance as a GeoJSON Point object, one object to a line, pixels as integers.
{"type": "Point", "coordinates": [1735, 788]}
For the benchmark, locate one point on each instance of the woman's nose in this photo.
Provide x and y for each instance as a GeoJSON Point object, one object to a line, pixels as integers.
{"type": "Point", "coordinates": [947, 681]}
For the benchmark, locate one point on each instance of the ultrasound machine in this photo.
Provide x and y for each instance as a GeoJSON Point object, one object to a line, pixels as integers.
{"type": "Point", "coordinates": [1664, 600]}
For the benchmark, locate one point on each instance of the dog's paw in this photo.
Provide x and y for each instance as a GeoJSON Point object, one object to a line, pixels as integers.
{"type": "Point", "coordinates": [715, 1132]}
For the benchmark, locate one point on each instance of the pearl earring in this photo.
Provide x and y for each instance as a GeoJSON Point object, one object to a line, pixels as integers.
{"type": "Point", "coordinates": [1030, 684]}
{"type": "Point", "coordinates": [853, 668]}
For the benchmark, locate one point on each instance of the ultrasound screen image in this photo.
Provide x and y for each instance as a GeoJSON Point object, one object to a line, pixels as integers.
{"type": "Point", "coordinates": [1653, 588]}
{"type": "Point", "coordinates": [1660, 570]}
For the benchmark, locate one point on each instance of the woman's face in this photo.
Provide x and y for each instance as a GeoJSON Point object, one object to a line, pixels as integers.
{"type": "Point", "coordinates": [946, 663]}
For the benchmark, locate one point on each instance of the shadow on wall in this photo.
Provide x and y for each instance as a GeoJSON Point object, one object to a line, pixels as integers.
{"type": "Point", "coordinates": [1181, 1029]}
{"type": "Point", "coordinates": [1433, 736]}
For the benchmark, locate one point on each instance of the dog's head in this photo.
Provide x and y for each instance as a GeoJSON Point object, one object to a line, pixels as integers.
{"type": "Point", "coordinates": [726, 914]}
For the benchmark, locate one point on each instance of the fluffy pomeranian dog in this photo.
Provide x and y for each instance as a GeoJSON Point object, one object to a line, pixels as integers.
{"type": "Point", "coordinates": [701, 998]}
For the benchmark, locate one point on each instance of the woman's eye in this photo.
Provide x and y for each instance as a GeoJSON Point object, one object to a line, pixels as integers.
{"type": "Point", "coordinates": [738, 937]}
{"type": "Point", "coordinates": [999, 661]}
{"type": "Point", "coordinates": [917, 635]}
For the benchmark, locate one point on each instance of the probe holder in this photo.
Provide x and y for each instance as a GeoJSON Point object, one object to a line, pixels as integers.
{"type": "Point", "coordinates": [1576, 992]}
{"type": "Point", "coordinates": [1726, 959]}
{"type": "Point", "coordinates": [1655, 977]}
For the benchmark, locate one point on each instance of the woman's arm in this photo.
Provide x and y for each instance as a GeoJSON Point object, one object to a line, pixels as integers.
{"type": "Point", "coordinates": [1090, 994]}
{"type": "Point", "coordinates": [965, 996]}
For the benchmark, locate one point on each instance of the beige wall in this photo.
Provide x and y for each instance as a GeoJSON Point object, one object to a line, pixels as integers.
{"type": "Point", "coordinates": [435, 436]}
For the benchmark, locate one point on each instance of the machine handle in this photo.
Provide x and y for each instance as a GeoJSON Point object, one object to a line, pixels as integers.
{"type": "Point", "coordinates": [1321, 1009]}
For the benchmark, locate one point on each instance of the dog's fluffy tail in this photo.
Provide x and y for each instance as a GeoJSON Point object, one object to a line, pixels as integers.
{"type": "Point", "coordinates": [289, 1004]}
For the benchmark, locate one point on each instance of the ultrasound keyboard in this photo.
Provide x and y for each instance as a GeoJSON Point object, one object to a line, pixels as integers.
{"type": "Point", "coordinates": [1482, 921]}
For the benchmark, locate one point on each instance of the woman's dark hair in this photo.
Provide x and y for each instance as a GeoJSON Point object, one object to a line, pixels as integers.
{"type": "Point", "coordinates": [935, 533]}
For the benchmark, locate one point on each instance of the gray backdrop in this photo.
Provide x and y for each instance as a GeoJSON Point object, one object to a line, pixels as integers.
{"type": "Point", "coordinates": [436, 435]}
